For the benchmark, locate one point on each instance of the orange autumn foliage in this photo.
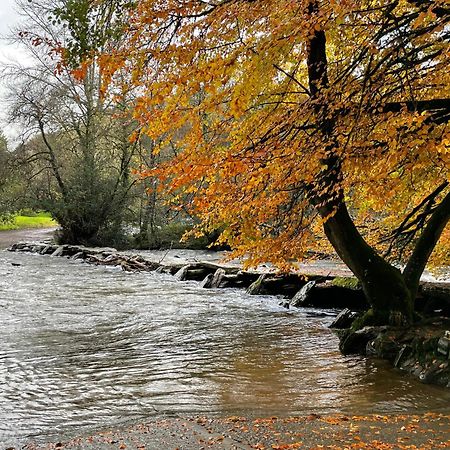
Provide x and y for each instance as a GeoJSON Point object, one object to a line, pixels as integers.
{"type": "Point", "coordinates": [227, 83]}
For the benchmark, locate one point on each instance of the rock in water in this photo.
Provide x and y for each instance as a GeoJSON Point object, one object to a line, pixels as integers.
{"type": "Point", "coordinates": [206, 283]}
{"type": "Point", "coordinates": [444, 344]}
{"type": "Point", "coordinates": [344, 319]}
{"type": "Point", "coordinates": [78, 255]}
{"type": "Point", "coordinates": [301, 296]}
{"type": "Point", "coordinates": [217, 278]}
{"type": "Point", "coordinates": [181, 275]}
{"type": "Point", "coordinates": [47, 249]}
{"type": "Point", "coordinates": [255, 288]}
{"type": "Point", "coordinates": [59, 251]}
{"type": "Point", "coordinates": [355, 342]}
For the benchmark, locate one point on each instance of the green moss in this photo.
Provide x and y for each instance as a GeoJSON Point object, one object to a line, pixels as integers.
{"type": "Point", "coordinates": [371, 318]}
{"type": "Point", "coordinates": [346, 282]}
{"type": "Point", "coordinates": [366, 319]}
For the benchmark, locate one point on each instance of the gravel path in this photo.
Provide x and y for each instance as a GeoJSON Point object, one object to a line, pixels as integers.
{"type": "Point", "coordinates": [10, 237]}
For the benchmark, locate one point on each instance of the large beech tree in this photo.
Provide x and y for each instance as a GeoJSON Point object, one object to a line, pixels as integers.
{"type": "Point", "coordinates": [300, 119]}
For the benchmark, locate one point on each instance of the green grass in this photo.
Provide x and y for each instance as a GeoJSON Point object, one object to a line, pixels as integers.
{"type": "Point", "coordinates": [40, 220]}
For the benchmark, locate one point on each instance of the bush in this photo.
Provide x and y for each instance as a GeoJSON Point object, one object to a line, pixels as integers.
{"type": "Point", "coordinates": [28, 212]}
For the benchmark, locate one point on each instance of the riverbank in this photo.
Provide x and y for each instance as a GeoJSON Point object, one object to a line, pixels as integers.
{"type": "Point", "coordinates": [427, 431]}
{"type": "Point", "coordinates": [9, 237]}
{"type": "Point", "coordinates": [25, 222]}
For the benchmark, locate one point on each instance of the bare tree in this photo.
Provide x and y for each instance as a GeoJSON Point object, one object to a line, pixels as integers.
{"type": "Point", "coordinates": [76, 143]}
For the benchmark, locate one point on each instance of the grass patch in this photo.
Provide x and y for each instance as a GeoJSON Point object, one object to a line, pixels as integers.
{"type": "Point", "coordinates": [39, 220]}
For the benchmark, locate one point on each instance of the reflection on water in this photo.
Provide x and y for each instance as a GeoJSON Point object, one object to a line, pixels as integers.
{"type": "Point", "coordinates": [85, 346]}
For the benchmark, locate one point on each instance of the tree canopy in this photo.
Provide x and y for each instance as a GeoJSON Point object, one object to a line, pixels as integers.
{"type": "Point", "coordinates": [298, 120]}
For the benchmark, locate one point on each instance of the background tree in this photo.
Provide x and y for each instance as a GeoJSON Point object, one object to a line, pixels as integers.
{"type": "Point", "coordinates": [4, 178]}
{"type": "Point", "coordinates": [76, 141]}
{"type": "Point", "coordinates": [321, 115]}
{"type": "Point", "coordinates": [3, 158]}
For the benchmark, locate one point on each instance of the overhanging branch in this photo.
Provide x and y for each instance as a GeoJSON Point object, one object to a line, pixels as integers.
{"type": "Point", "coordinates": [439, 109]}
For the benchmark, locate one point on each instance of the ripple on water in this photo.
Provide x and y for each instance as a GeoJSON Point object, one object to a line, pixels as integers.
{"type": "Point", "coordinates": [86, 346]}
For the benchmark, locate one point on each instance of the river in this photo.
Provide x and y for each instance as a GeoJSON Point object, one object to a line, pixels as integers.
{"type": "Point", "coordinates": [85, 347]}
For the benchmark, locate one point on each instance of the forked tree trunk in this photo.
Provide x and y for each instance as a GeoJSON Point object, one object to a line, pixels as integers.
{"type": "Point", "coordinates": [425, 245]}
{"type": "Point", "coordinates": [390, 293]}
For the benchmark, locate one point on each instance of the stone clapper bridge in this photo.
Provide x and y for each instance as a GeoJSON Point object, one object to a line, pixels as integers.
{"type": "Point", "coordinates": [422, 350]}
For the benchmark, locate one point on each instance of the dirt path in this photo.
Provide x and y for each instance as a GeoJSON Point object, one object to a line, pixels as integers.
{"type": "Point", "coordinates": [428, 431]}
{"type": "Point", "coordinates": [10, 237]}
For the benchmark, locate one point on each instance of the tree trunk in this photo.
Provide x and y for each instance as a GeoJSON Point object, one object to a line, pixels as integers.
{"type": "Point", "coordinates": [383, 284]}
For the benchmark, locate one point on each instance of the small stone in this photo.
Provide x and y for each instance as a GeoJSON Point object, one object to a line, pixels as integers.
{"type": "Point", "coordinates": [344, 319]}
{"type": "Point", "coordinates": [217, 278]}
{"type": "Point", "coordinates": [181, 275]}
{"type": "Point", "coordinates": [355, 342]}
{"type": "Point", "coordinates": [400, 355]}
{"type": "Point", "coordinates": [443, 346]}
{"type": "Point", "coordinates": [206, 283]}
{"type": "Point", "coordinates": [59, 251]}
{"type": "Point", "coordinates": [47, 249]}
{"type": "Point", "coordinates": [255, 288]}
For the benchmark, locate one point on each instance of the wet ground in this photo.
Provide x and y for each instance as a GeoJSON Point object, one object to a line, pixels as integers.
{"type": "Point", "coordinates": [429, 431]}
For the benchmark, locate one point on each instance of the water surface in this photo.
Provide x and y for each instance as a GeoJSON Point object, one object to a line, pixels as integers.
{"type": "Point", "coordinates": [84, 347]}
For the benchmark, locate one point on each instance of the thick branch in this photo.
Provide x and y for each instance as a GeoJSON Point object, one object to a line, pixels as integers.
{"type": "Point", "coordinates": [425, 245]}
{"type": "Point", "coordinates": [414, 220]}
{"type": "Point", "coordinates": [53, 162]}
{"type": "Point", "coordinates": [438, 108]}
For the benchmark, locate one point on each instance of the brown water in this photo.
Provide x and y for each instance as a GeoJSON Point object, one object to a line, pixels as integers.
{"type": "Point", "coordinates": [85, 347]}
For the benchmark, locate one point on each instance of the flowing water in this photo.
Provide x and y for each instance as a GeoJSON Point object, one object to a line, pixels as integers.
{"type": "Point", "coordinates": [86, 347]}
